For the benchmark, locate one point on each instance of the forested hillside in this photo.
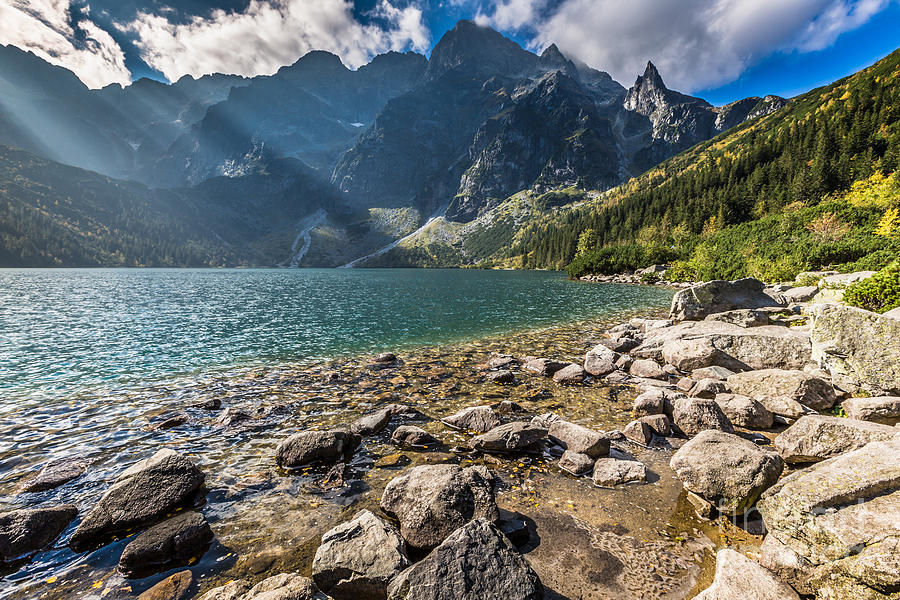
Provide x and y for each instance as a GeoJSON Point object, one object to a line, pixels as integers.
{"type": "Point", "coordinates": [769, 198]}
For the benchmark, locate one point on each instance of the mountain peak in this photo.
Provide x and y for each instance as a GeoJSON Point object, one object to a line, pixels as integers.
{"type": "Point", "coordinates": [552, 52]}
{"type": "Point", "coordinates": [478, 50]}
{"type": "Point", "coordinates": [651, 77]}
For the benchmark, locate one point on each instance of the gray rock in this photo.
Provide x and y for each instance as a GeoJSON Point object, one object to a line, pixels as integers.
{"type": "Point", "coordinates": [726, 470]}
{"type": "Point", "coordinates": [432, 501]}
{"type": "Point", "coordinates": [714, 372]}
{"type": "Point", "coordinates": [576, 463]}
{"type": "Point", "coordinates": [54, 474]}
{"type": "Point", "coordinates": [785, 564]}
{"type": "Point", "coordinates": [685, 384]}
{"type": "Point", "coordinates": [544, 366]}
{"type": "Point", "coordinates": [577, 438]}
{"type": "Point", "coordinates": [689, 355]}
{"type": "Point", "coordinates": [609, 472]}
{"type": "Point", "coordinates": [233, 590]}
{"type": "Point", "coordinates": [799, 386]}
{"type": "Point", "coordinates": [474, 418]}
{"type": "Point", "coordinates": [708, 388]}
{"type": "Point", "coordinates": [660, 424]}
{"type": "Point", "coordinates": [499, 361]}
{"type": "Point", "coordinates": [841, 517]}
{"type": "Point", "coordinates": [545, 420]}
{"type": "Point", "coordinates": [142, 495]}
{"type": "Point", "coordinates": [501, 377]}
{"type": "Point", "coordinates": [739, 578]}
{"type": "Point", "coordinates": [385, 358]}
{"type": "Point", "coordinates": [646, 368]}
{"type": "Point", "coordinates": [571, 374]}
{"type": "Point", "coordinates": [817, 437]}
{"type": "Point", "coordinates": [358, 559]}
{"type": "Point", "coordinates": [742, 317]}
{"type": "Point", "coordinates": [697, 302]}
{"type": "Point", "coordinates": [511, 437]}
{"type": "Point", "coordinates": [860, 348]}
{"type": "Point", "coordinates": [287, 586]}
{"type": "Point", "coordinates": [769, 346]}
{"type": "Point", "coordinates": [624, 362]}
{"type": "Point", "coordinates": [600, 361]}
{"type": "Point", "coordinates": [649, 403]}
{"type": "Point", "coordinates": [175, 587]}
{"type": "Point", "coordinates": [620, 343]}
{"type": "Point", "coordinates": [371, 423]}
{"type": "Point", "coordinates": [880, 409]}
{"type": "Point", "coordinates": [693, 415]}
{"type": "Point", "coordinates": [638, 432]}
{"type": "Point", "coordinates": [172, 543]}
{"type": "Point", "coordinates": [842, 280]}
{"type": "Point", "coordinates": [414, 437]}
{"type": "Point", "coordinates": [476, 562]}
{"type": "Point", "coordinates": [892, 314]}
{"type": "Point", "coordinates": [744, 411]}
{"type": "Point", "coordinates": [28, 530]}
{"type": "Point", "coordinates": [800, 294]}
{"type": "Point", "coordinates": [309, 447]}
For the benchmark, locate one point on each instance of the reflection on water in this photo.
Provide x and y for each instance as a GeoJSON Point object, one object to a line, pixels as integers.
{"type": "Point", "coordinates": [632, 542]}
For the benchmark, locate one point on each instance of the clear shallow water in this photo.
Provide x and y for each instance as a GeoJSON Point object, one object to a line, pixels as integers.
{"type": "Point", "coordinates": [92, 361]}
{"type": "Point", "coordinates": [62, 331]}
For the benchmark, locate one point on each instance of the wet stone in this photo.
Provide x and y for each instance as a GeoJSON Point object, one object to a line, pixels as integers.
{"type": "Point", "coordinates": [54, 474]}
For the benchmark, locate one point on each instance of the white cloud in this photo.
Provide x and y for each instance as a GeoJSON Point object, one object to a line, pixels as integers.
{"type": "Point", "coordinates": [511, 15]}
{"type": "Point", "coordinates": [272, 33]}
{"type": "Point", "coordinates": [44, 27]}
{"type": "Point", "coordinates": [696, 43]}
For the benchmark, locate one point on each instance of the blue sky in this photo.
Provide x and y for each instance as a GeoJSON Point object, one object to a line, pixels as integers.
{"type": "Point", "coordinates": [721, 50]}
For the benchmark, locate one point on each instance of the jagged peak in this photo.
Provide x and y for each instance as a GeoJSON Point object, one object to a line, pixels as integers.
{"type": "Point", "coordinates": [480, 49]}
{"type": "Point", "coordinates": [651, 77]}
{"type": "Point", "coordinates": [552, 52]}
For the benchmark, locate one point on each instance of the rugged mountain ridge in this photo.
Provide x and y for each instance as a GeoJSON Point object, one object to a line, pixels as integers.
{"type": "Point", "coordinates": [398, 141]}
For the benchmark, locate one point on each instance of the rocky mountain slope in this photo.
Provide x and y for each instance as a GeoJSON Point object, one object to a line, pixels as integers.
{"type": "Point", "coordinates": [451, 137]}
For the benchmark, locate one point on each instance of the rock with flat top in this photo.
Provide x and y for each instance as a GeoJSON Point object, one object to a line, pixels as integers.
{"type": "Point", "coordinates": [609, 472]}
{"type": "Point", "coordinates": [142, 495]}
{"type": "Point", "coordinates": [688, 355]}
{"type": "Point", "coordinates": [309, 447]}
{"type": "Point", "coordinates": [739, 578]}
{"type": "Point", "coordinates": [511, 437]}
{"type": "Point", "coordinates": [796, 385]}
{"type": "Point", "coordinates": [817, 437]}
{"type": "Point", "coordinates": [371, 423]}
{"type": "Point", "coordinates": [432, 501]}
{"type": "Point", "coordinates": [648, 369]}
{"type": "Point", "coordinates": [475, 562]}
{"type": "Point", "coordinates": [726, 470]}
{"type": "Point", "coordinates": [28, 530]}
{"type": "Point", "coordinates": [708, 388]}
{"type": "Point", "coordinates": [357, 560]}
{"type": "Point", "coordinates": [570, 374]}
{"type": "Point", "coordinates": [474, 418]}
{"type": "Point", "coordinates": [880, 409]}
{"type": "Point", "coordinates": [413, 437]}
{"type": "Point", "coordinates": [578, 438]}
{"type": "Point", "coordinates": [742, 317]}
{"type": "Point", "coordinates": [54, 474]}
{"type": "Point", "coordinates": [718, 296]}
{"type": "Point", "coordinates": [714, 372]}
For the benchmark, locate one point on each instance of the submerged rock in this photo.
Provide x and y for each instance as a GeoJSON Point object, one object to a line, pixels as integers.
{"type": "Point", "coordinates": [476, 562]}
{"type": "Point", "coordinates": [309, 447]}
{"type": "Point", "coordinates": [142, 495]}
{"type": "Point", "coordinates": [414, 437]}
{"type": "Point", "coordinates": [174, 587]}
{"type": "Point", "coordinates": [501, 377]}
{"type": "Point", "coordinates": [358, 559]}
{"type": "Point", "coordinates": [28, 530]}
{"type": "Point", "coordinates": [511, 437]}
{"type": "Point", "coordinates": [544, 366]}
{"type": "Point", "coordinates": [474, 418]}
{"type": "Point", "coordinates": [739, 578]}
{"type": "Point", "coordinates": [432, 501]}
{"type": "Point", "coordinates": [718, 296]}
{"type": "Point", "coordinates": [571, 374]}
{"type": "Point", "coordinates": [172, 543]}
{"type": "Point", "coordinates": [817, 437]}
{"type": "Point", "coordinates": [372, 423]}
{"type": "Point", "coordinates": [54, 474]}
{"type": "Point", "coordinates": [726, 470]}
{"type": "Point", "coordinates": [576, 463]}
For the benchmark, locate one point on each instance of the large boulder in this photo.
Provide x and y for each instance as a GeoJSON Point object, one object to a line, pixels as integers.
{"type": "Point", "coordinates": [511, 437]}
{"type": "Point", "coordinates": [28, 530]}
{"type": "Point", "coordinates": [697, 302]}
{"type": "Point", "coordinates": [309, 447]}
{"type": "Point", "coordinates": [476, 562]}
{"type": "Point", "coordinates": [769, 346]}
{"type": "Point", "coordinates": [793, 384]}
{"type": "Point", "coordinates": [287, 586]}
{"type": "Point", "coordinates": [600, 361]}
{"type": "Point", "coordinates": [577, 438]}
{"type": "Point", "coordinates": [172, 543]}
{"type": "Point", "coordinates": [647, 369]}
{"type": "Point", "coordinates": [688, 355]}
{"type": "Point", "coordinates": [817, 437]}
{"type": "Point", "coordinates": [474, 418]}
{"type": "Point", "coordinates": [693, 415]}
{"type": "Point", "coordinates": [745, 412]}
{"type": "Point", "coordinates": [432, 501]}
{"type": "Point", "coordinates": [786, 564]}
{"type": "Point", "coordinates": [879, 409]}
{"type": "Point", "coordinates": [739, 578]}
{"type": "Point", "coordinates": [142, 495]}
{"type": "Point", "coordinates": [358, 559]}
{"type": "Point", "coordinates": [726, 470]}
{"type": "Point", "coordinates": [842, 518]}
{"type": "Point", "coordinates": [861, 349]}
{"type": "Point", "coordinates": [742, 317]}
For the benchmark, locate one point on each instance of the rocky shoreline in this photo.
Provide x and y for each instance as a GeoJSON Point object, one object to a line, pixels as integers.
{"type": "Point", "coordinates": [730, 439]}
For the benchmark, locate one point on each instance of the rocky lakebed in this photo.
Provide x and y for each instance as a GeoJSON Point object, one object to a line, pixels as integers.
{"type": "Point", "coordinates": [743, 445]}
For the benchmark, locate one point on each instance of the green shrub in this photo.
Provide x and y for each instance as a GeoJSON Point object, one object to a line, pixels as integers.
{"type": "Point", "coordinates": [879, 293]}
